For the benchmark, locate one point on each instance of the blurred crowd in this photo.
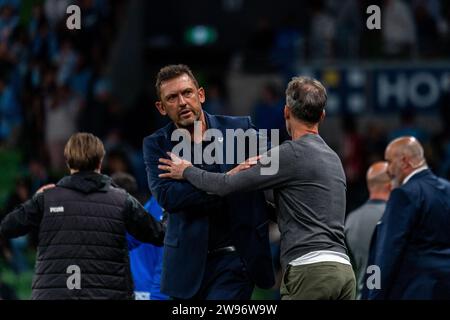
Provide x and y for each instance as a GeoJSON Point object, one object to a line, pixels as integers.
{"type": "Point", "coordinates": [333, 31]}
{"type": "Point", "coordinates": [53, 82]}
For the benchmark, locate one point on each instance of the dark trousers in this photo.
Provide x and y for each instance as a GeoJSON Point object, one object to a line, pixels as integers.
{"type": "Point", "coordinates": [226, 278]}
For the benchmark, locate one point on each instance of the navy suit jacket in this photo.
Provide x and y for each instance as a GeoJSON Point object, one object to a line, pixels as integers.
{"type": "Point", "coordinates": [186, 240]}
{"type": "Point", "coordinates": [412, 241]}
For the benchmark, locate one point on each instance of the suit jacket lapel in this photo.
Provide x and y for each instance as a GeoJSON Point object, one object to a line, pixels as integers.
{"type": "Point", "coordinates": [213, 124]}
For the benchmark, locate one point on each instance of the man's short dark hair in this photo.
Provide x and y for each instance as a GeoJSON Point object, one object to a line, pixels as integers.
{"type": "Point", "coordinates": [307, 98]}
{"type": "Point", "coordinates": [171, 72]}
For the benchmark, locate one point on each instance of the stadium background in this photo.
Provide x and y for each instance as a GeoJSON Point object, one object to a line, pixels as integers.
{"type": "Point", "coordinates": [54, 81]}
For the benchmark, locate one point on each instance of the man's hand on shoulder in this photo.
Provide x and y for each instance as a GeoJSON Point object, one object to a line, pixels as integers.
{"type": "Point", "coordinates": [47, 186]}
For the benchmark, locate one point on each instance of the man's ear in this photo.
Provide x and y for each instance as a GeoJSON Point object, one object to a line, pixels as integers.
{"type": "Point", "coordinates": [322, 116]}
{"type": "Point", "coordinates": [389, 186]}
{"type": "Point", "coordinates": [100, 164]}
{"type": "Point", "coordinates": [159, 105]}
{"type": "Point", "coordinates": [201, 94]}
{"type": "Point", "coordinates": [287, 113]}
{"type": "Point", "coordinates": [405, 161]}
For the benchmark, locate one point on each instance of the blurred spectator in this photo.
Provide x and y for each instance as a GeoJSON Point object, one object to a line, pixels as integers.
{"type": "Point", "coordinates": [288, 48]}
{"type": "Point", "coordinates": [353, 161]}
{"type": "Point", "coordinates": [44, 44]}
{"type": "Point", "coordinates": [81, 78]}
{"type": "Point", "coordinates": [441, 142]}
{"type": "Point", "coordinates": [433, 7]}
{"type": "Point", "coordinates": [117, 161]}
{"type": "Point", "coordinates": [408, 127]}
{"type": "Point", "coordinates": [427, 29]}
{"type": "Point", "coordinates": [61, 111]}
{"type": "Point", "coordinates": [13, 3]}
{"type": "Point", "coordinates": [94, 114]}
{"type": "Point", "coordinates": [349, 25]}
{"type": "Point", "coordinates": [8, 22]}
{"type": "Point", "coordinates": [214, 103]}
{"type": "Point", "coordinates": [322, 32]}
{"type": "Point", "coordinates": [6, 292]}
{"type": "Point", "coordinates": [38, 175]}
{"type": "Point", "coordinates": [360, 223]}
{"type": "Point", "coordinates": [55, 11]}
{"type": "Point", "coordinates": [66, 60]}
{"type": "Point", "coordinates": [18, 245]}
{"type": "Point", "coordinates": [353, 148]}
{"type": "Point", "coordinates": [268, 111]}
{"type": "Point", "coordinates": [259, 46]}
{"type": "Point", "coordinates": [399, 30]}
{"type": "Point", "coordinates": [374, 142]}
{"type": "Point", "coordinates": [10, 112]}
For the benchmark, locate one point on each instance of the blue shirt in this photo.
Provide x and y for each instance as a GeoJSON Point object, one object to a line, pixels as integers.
{"type": "Point", "coordinates": [146, 261]}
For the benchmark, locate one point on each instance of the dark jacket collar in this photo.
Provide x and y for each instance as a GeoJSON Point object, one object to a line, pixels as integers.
{"type": "Point", "coordinates": [421, 174]}
{"type": "Point", "coordinates": [86, 182]}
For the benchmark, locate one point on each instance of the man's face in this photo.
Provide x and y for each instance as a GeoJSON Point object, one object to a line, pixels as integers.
{"type": "Point", "coordinates": [181, 101]}
{"type": "Point", "coordinates": [395, 168]}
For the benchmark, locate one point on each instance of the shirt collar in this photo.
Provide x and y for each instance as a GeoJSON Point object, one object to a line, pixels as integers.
{"type": "Point", "coordinates": [420, 169]}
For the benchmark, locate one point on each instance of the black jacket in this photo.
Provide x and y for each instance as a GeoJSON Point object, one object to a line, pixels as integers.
{"type": "Point", "coordinates": [82, 249]}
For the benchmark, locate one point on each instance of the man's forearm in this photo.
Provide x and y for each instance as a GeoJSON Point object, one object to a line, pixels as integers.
{"type": "Point", "coordinates": [223, 184]}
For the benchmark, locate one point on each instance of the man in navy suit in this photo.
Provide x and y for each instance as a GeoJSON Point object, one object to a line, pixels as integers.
{"type": "Point", "coordinates": [412, 241]}
{"type": "Point", "coordinates": [215, 248]}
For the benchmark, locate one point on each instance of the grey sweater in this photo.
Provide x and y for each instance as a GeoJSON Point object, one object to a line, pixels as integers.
{"type": "Point", "coordinates": [309, 193]}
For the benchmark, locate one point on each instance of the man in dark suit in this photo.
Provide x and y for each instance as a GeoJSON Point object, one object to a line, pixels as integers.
{"type": "Point", "coordinates": [412, 241]}
{"type": "Point", "coordinates": [215, 248]}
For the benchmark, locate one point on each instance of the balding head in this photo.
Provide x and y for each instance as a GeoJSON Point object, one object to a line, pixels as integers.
{"type": "Point", "coordinates": [378, 181]}
{"type": "Point", "coordinates": [404, 155]}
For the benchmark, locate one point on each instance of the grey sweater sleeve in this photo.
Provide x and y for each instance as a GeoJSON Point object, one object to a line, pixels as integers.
{"type": "Point", "coordinates": [255, 178]}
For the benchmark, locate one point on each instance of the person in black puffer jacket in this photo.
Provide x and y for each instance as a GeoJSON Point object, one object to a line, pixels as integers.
{"type": "Point", "coordinates": [82, 223]}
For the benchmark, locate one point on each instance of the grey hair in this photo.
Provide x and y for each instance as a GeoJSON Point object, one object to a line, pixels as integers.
{"type": "Point", "coordinates": [307, 98]}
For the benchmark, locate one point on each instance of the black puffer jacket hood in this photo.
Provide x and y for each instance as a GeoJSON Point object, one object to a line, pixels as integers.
{"type": "Point", "coordinates": [86, 182]}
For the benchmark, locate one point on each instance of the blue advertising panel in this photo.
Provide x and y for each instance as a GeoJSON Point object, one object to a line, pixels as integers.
{"type": "Point", "coordinates": [382, 89]}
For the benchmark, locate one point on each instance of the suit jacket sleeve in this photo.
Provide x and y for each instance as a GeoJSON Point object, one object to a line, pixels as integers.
{"type": "Point", "coordinates": [170, 194]}
{"type": "Point", "coordinates": [24, 218]}
{"type": "Point", "coordinates": [392, 236]}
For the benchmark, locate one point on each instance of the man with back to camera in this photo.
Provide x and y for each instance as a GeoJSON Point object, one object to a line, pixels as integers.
{"type": "Point", "coordinates": [360, 223]}
{"type": "Point", "coordinates": [215, 248]}
{"type": "Point", "coordinates": [309, 191]}
{"type": "Point", "coordinates": [82, 223]}
{"type": "Point", "coordinates": [412, 243]}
